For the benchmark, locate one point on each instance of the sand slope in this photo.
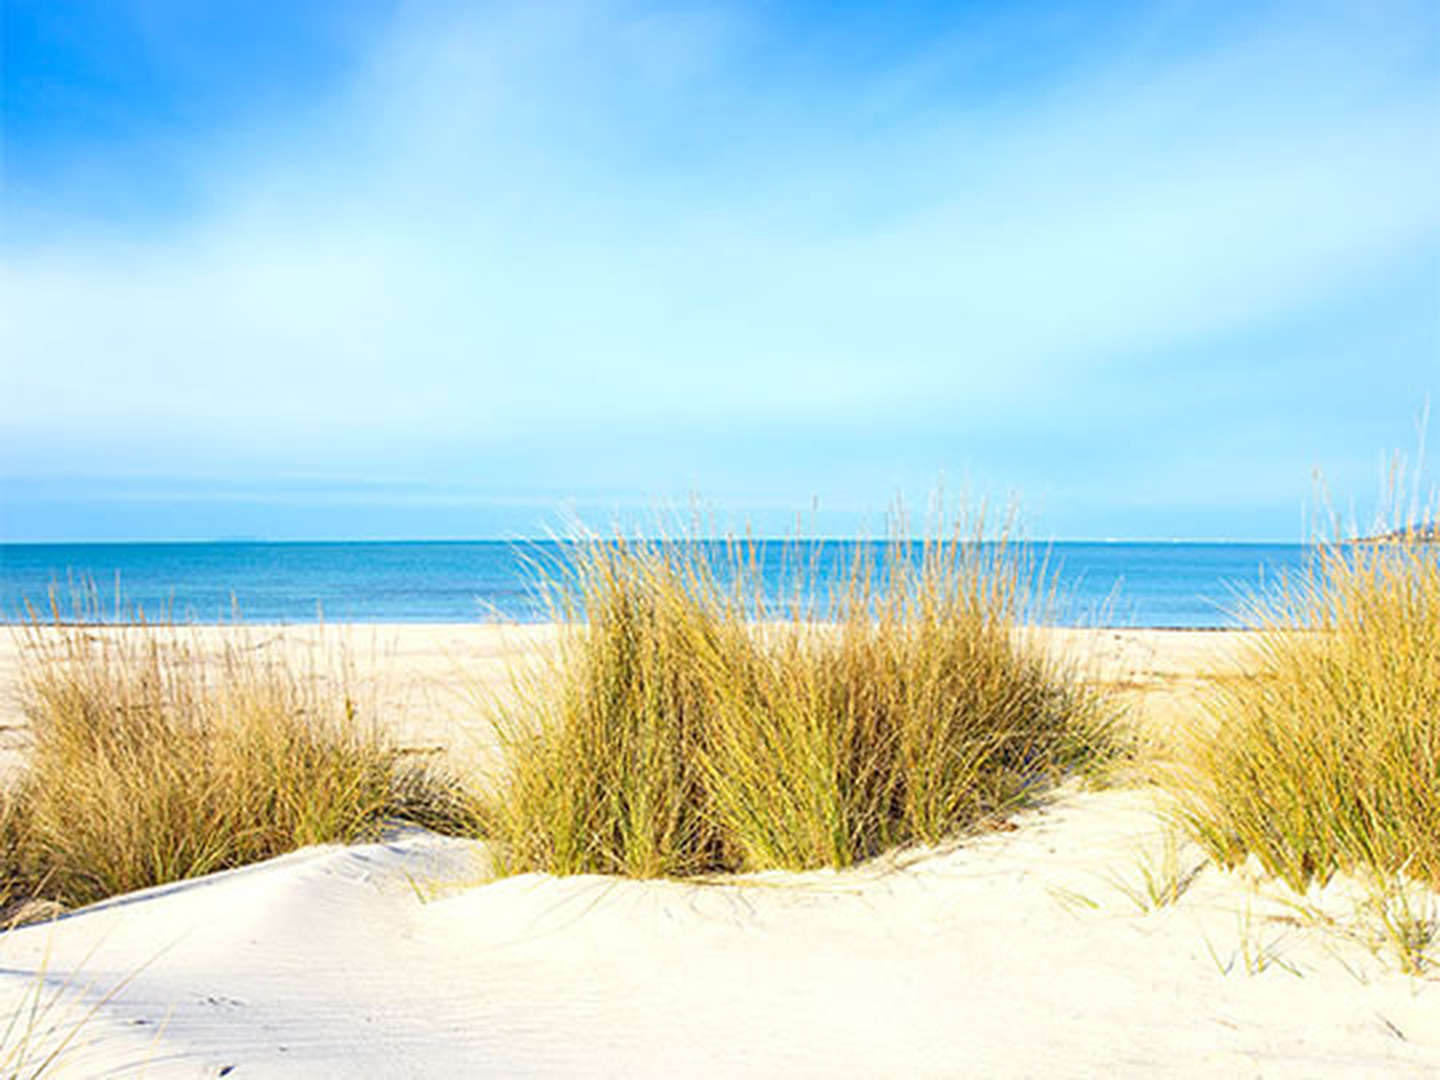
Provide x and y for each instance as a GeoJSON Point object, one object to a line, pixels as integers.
{"type": "Point", "coordinates": [1016, 954]}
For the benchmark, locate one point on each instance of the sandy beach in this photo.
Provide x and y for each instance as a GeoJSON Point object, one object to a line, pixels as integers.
{"type": "Point", "coordinates": [799, 358]}
{"type": "Point", "coordinates": [1028, 951]}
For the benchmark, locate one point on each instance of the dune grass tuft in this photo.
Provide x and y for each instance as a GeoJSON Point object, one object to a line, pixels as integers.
{"type": "Point", "coordinates": [1329, 758]}
{"type": "Point", "coordinates": [687, 727]}
{"type": "Point", "coordinates": [156, 759]}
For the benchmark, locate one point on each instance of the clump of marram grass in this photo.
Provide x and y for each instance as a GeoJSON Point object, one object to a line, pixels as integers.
{"type": "Point", "coordinates": [603, 744]}
{"type": "Point", "coordinates": [682, 731]}
{"type": "Point", "coordinates": [1328, 759]}
{"type": "Point", "coordinates": [156, 759]}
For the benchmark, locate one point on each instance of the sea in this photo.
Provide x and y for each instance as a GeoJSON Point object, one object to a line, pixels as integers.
{"type": "Point", "coordinates": [1120, 584]}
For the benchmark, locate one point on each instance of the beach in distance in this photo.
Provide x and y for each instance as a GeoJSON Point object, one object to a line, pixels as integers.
{"type": "Point", "coordinates": [429, 682]}
{"type": "Point", "coordinates": [1083, 938]}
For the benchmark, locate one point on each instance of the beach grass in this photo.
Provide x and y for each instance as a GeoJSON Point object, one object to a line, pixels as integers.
{"type": "Point", "coordinates": [686, 726]}
{"type": "Point", "coordinates": [156, 758]}
{"type": "Point", "coordinates": [1328, 758]}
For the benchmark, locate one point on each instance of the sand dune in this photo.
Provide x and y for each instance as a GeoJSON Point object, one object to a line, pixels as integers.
{"type": "Point", "coordinates": [1024, 952]}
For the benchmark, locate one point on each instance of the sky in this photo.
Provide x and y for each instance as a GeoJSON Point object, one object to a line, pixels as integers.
{"type": "Point", "coordinates": [308, 270]}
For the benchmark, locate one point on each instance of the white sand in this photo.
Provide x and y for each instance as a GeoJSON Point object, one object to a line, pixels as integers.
{"type": "Point", "coordinates": [1021, 953]}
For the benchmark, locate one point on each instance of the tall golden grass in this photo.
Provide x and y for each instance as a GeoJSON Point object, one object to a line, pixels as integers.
{"type": "Point", "coordinates": [1329, 758]}
{"type": "Point", "coordinates": [684, 728]}
{"type": "Point", "coordinates": [155, 758]}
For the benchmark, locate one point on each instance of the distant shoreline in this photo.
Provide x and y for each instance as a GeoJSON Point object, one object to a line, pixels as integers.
{"type": "Point", "coordinates": [1425, 533]}
{"type": "Point", "coordinates": [505, 624]}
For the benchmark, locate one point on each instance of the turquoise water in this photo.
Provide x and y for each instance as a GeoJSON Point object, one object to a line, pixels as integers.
{"type": "Point", "coordinates": [1112, 584]}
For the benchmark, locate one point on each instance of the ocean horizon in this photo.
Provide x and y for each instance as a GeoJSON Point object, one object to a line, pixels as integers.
{"type": "Point", "coordinates": [1183, 584]}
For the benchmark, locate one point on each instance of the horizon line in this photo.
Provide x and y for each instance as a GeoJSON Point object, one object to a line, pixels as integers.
{"type": "Point", "coordinates": [551, 538]}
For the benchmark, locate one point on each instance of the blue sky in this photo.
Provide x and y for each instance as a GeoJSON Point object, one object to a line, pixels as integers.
{"type": "Point", "coordinates": [308, 270]}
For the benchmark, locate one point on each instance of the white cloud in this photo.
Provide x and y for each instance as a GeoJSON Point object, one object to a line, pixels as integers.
{"type": "Point", "coordinates": [561, 217]}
